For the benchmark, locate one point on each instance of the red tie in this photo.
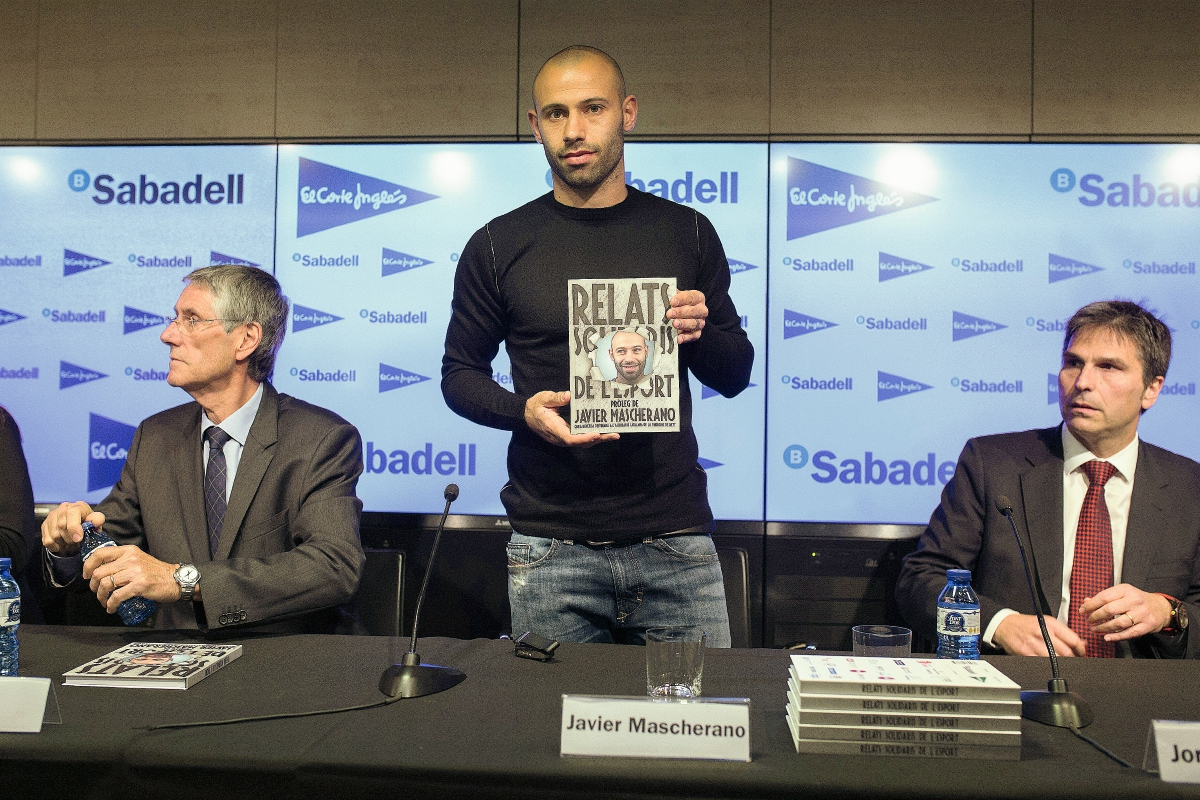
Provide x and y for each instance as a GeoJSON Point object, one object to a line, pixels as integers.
{"type": "Point", "coordinates": [1092, 570]}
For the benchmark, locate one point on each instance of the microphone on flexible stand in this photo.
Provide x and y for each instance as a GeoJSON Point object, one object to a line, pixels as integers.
{"type": "Point", "coordinates": [411, 678]}
{"type": "Point", "coordinates": [1057, 706]}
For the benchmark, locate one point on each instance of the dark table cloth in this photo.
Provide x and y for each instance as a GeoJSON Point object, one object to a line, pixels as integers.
{"type": "Point", "coordinates": [497, 733]}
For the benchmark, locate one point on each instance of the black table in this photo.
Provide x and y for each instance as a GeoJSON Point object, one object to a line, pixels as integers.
{"type": "Point", "coordinates": [497, 734]}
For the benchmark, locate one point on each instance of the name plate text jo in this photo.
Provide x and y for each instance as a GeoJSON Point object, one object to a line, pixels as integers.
{"type": "Point", "coordinates": [1178, 746]}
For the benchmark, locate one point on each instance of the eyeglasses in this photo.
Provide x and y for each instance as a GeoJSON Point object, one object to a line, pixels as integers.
{"type": "Point", "coordinates": [188, 324]}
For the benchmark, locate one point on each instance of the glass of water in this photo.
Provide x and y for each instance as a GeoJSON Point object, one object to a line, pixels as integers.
{"type": "Point", "coordinates": [675, 661]}
{"type": "Point", "coordinates": [890, 641]}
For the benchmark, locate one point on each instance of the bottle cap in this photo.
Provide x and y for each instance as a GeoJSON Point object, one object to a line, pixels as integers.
{"type": "Point", "coordinates": [5, 563]}
{"type": "Point", "coordinates": [958, 574]}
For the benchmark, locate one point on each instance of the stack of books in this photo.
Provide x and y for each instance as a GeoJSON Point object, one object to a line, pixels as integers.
{"type": "Point", "coordinates": [915, 707]}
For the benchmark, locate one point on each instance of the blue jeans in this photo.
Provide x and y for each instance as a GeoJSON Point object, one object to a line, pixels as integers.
{"type": "Point", "coordinates": [574, 592]}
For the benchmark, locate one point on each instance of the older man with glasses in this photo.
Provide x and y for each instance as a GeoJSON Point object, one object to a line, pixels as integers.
{"type": "Point", "coordinates": [239, 508]}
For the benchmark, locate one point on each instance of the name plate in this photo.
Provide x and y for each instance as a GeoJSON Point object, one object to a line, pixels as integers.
{"type": "Point", "coordinates": [24, 704]}
{"type": "Point", "coordinates": [644, 727]}
{"type": "Point", "coordinates": [1177, 745]}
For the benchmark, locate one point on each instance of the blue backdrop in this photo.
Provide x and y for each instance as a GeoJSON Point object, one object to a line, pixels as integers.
{"type": "Point", "coordinates": [900, 297]}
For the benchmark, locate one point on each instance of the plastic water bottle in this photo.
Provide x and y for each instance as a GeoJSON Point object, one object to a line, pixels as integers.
{"type": "Point", "coordinates": [958, 617]}
{"type": "Point", "coordinates": [10, 619]}
{"type": "Point", "coordinates": [132, 611]}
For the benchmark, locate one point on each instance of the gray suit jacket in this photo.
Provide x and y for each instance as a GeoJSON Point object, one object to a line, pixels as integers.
{"type": "Point", "coordinates": [966, 531]}
{"type": "Point", "coordinates": [289, 546]}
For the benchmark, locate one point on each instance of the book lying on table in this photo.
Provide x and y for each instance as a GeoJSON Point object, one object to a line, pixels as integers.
{"type": "Point", "coordinates": [967, 752]}
{"type": "Point", "coordinates": [875, 704]}
{"type": "Point", "coordinates": [912, 678]}
{"type": "Point", "coordinates": [151, 665]}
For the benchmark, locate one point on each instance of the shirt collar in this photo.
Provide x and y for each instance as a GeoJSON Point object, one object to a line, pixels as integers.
{"type": "Point", "coordinates": [237, 424]}
{"type": "Point", "coordinates": [1076, 454]}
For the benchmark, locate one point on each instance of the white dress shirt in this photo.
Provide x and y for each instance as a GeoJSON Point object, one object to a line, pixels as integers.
{"type": "Point", "coordinates": [237, 425]}
{"type": "Point", "coordinates": [1118, 493]}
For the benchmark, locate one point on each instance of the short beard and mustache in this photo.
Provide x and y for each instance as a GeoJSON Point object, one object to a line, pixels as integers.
{"type": "Point", "coordinates": [607, 157]}
{"type": "Point", "coordinates": [638, 372]}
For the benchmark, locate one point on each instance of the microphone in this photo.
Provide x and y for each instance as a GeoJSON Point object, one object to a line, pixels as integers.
{"type": "Point", "coordinates": [1057, 706]}
{"type": "Point", "coordinates": [411, 678]}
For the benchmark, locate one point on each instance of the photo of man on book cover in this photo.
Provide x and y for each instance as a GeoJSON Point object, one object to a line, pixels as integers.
{"type": "Point", "coordinates": [624, 357]}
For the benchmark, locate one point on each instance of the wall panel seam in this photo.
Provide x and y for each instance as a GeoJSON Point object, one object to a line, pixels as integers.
{"type": "Point", "coordinates": [517, 87]}
{"type": "Point", "coordinates": [275, 94]}
{"type": "Point", "coordinates": [37, 64]}
{"type": "Point", "coordinates": [1032, 63]}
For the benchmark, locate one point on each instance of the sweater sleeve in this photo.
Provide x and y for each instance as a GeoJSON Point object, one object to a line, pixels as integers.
{"type": "Point", "coordinates": [478, 324]}
{"type": "Point", "coordinates": [722, 357]}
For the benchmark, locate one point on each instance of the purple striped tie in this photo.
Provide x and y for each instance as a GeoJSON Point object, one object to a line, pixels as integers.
{"type": "Point", "coordinates": [214, 485]}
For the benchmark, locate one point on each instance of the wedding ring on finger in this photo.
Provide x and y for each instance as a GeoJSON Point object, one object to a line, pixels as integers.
{"type": "Point", "coordinates": [1131, 620]}
{"type": "Point", "coordinates": [112, 582]}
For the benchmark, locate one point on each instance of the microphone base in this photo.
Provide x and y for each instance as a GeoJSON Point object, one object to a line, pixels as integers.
{"type": "Point", "coordinates": [418, 680]}
{"type": "Point", "coordinates": [1057, 707]}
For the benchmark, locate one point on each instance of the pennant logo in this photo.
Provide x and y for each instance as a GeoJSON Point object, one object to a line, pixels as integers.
{"type": "Point", "coordinates": [820, 198]}
{"type": "Point", "coordinates": [395, 261]}
{"type": "Point", "coordinates": [1063, 268]}
{"type": "Point", "coordinates": [9, 316]}
{"type": "Point", "coordinates": [80, 262]}
{"type": "Point", "coordinates": [331, 196]}
{"type": "Point", "coordinates": [396, 378]}
{"type": "Point", "coordinates": [138, 320]}
{"type": "Point", "coordinates": [220, 259]}
{"type": "Point", "coordinates": [891, 386]}
{"type": "Point", "coordinates": [304, 318]}
{"type": "Point", "coordinates": [108, 444]}
{"type": "Point", "coordinates": [736, 266]}
{"type": "Point", "coordinates": [966, 326]}
{"type": "Point", "coordinates": [797, 324]}
{"type": "Point", "coordinates": [891, 267]}
{"type": "Point", "coordinates": [707, 464]}
{"type": "Point", "coordinates": [72, 375]}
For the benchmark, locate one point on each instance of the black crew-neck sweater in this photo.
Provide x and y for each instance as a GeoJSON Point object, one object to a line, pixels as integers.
{"type": "Point", "coordinates": [511, 286]}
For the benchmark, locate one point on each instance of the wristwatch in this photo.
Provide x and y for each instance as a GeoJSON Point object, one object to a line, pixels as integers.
{"type": "Point", "coordinates": [187, 576]}
{"type": "Point", "coordinates": [1179, 619]}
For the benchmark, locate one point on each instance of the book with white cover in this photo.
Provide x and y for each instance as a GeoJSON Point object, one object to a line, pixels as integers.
{"type": "Point", "coordinates": [874, 704]}
{"type": "Point", "coordinates": [917, 678]}
{"type": "Point", "coordinates": [908, 735]}
{"type": "Point", "coordinates": [957, 751]}
{"type": "Point", "coordinates": [153, 665]}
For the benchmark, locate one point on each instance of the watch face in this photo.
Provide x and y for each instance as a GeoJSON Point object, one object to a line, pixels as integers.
{"type": "Point", "coordinates": [188, 574]}
{"type": "Point", "coordinates": [1181, 617]}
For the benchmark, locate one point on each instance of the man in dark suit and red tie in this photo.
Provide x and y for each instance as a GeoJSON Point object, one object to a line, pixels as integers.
{"type": "Point", "coordinates": [238, 508]}
{"type": "Point", "coordinates": [1114, 522]}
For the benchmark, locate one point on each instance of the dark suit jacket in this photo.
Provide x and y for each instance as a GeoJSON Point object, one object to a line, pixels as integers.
{"type": "Point", "coordinates": [967, 532]}
{"type": "Point", "coordinates": [289, 545]}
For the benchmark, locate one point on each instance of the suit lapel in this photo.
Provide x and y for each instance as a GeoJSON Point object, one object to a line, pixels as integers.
{"type": "Point", "coordinates": [1147, 511]}
{"type": "Point", "coordinates": [256, 457]}
{"type": "Point", "coordinates": [1042, 507]}
{"type": "Point", "coordinates": [189, 482]}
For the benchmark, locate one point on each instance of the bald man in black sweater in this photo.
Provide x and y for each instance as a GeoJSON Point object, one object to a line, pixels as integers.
{"type": "Point", "coordinates": [611, 533]}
